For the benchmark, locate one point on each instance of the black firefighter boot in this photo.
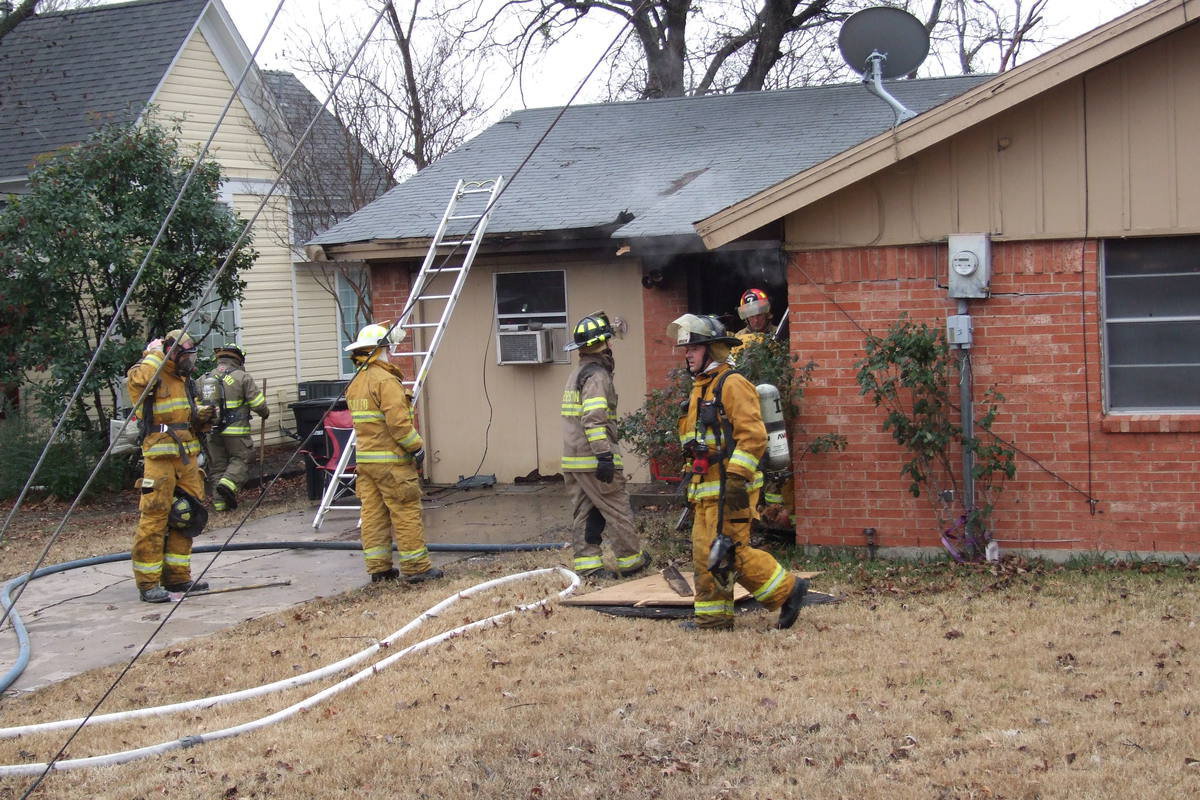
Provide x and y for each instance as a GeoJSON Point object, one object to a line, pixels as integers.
{"type": "Point", "coordinates": [186, 586]}
{"type": "Point", "coordinates": [387, 575]}
{"type": "Point", "coordinates": [791, 607]}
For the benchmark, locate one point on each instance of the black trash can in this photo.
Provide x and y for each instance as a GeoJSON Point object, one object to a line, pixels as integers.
{"type": "Point", "coordinates": [308, 415]}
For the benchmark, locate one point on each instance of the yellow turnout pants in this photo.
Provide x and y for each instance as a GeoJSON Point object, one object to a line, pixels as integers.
{"type": "Point", "coordinates": [161, 553]}
{"type": "Point", "coordinates": [391, 505]}
{"type": "Point", "coordinates": [756, 570]}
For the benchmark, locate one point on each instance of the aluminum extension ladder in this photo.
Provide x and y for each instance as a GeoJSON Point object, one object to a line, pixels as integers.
{"type": "Point", "coordinates": [478, 199]}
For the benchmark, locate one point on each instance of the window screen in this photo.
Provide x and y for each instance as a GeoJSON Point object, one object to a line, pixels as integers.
{"type": "Point", "coordinates": [1152, 323]}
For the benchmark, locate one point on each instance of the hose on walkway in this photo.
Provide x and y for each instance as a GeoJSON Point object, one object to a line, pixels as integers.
{"type": "Point", "coordinates": [110, 759]}
{"type": "Point", "coordinates": [23, 648]}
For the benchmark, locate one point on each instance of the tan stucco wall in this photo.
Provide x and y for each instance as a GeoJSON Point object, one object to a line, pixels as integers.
{"type": "Point", "coordinates": [525, 401]}
{"type": "Point", "coordinates": [1021, 175]}
{"type": "Point", "coordinates": [195, 91]}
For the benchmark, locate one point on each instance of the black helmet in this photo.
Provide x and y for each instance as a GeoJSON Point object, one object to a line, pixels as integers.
{"type": "Point", "coordinates": [231, 349]}
{"type": "Point", "coordinates": [592, 329]}
{"type": "Point", "coordinates": [187, 515]}
{"type": "Point", "coordinates": [699, 329]}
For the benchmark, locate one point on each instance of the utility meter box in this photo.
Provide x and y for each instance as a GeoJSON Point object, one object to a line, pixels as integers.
{"type": "Point", "coordinates": [970, 265]}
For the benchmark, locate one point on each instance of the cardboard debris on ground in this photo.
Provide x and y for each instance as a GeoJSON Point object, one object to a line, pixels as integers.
{"type": "Point", "coordinates": [651, 590]}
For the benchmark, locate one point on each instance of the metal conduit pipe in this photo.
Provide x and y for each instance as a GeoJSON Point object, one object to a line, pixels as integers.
{"type": "Point", "coordinates": [18, 624]}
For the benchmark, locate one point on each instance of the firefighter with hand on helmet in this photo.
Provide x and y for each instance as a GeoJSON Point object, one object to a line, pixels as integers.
{"type": "Point", "coordinates": [389, 452]}
{"type": "Point", "coordinates": [591, 462]}
{"type": "Point", "coordinates": [171, 484]}
{"type": "Point", "coordinates": [233, 392]}
{"type": "Point", "coordinates": [723, 432]}
{"type": "Point", "coordinates": [754, 308]}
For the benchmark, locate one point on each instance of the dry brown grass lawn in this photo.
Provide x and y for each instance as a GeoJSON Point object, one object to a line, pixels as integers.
{"type": "Point", "coordinates": [925, 682]}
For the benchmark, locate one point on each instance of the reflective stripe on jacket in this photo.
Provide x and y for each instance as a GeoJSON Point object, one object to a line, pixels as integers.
{"type": "Point", "coordinates": [379, 404]}
{"type": "Point", "coordinates": [740, 400]}
{"type": "Point", "coordinates": [171, 407]}
{"type": "Point", "coordinates": [589, 414]}
{"type": "Point", "coordinates": [242, 396]}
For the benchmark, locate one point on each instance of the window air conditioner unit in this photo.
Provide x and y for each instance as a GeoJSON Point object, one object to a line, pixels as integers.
{"type": "Point", "coordinates": [523, 347]}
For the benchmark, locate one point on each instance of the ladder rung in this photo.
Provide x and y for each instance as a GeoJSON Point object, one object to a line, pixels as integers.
{"type": "Point", "coordinates": [487, 190]}
{"type": "Point", "coordinates": [463, 216]}
{"type": "Point", "coordinates": [445, 269]}
{"type": "Point", "coordinates": [434, 297]}
{"type": "Point", "coordinates": [422, 324]}
{"type": "Point", "coordinates": [458, 243]}
{"type": "Point", "coordinates": [414, 353]}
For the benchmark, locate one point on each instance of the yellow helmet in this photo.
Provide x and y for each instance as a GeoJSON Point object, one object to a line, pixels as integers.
{"type": "Point", "coordinates": [376, 335]}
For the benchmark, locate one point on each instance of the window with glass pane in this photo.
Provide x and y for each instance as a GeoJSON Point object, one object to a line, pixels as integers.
{"type": "Point", "coordinates": [523, 298]}
{"type": "Point", "coordinates": [1152, 323]}
{"type": "Point", "coordinates": [354, 307]}
{"type": "Point", "coordinates": [214, 325]}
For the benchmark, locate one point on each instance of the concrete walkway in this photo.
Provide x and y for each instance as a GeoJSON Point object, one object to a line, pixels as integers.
{"type": "Point", "coordinates": [92, 617]}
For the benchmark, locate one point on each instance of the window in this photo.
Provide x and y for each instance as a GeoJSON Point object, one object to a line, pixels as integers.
{"type": "Point", "coordinates": [213, 326]}
{"type": "Point", "coordinates": [353, 310]}
{"type": "Point", "coordinates": [525, 299]}
{"type": "Point", "coordinates": [1151, 302]}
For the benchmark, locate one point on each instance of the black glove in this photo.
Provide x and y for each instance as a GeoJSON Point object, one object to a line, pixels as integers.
{"type": "Point", "coordinates": [736, 495]}
{"type": "Point", "coordinates": [605, 468]}
{"type": "Point", "coordinates": [419, 458]}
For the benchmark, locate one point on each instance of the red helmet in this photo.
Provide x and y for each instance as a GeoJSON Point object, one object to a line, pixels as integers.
{"type": "Point", "coordinates": [753, 303]}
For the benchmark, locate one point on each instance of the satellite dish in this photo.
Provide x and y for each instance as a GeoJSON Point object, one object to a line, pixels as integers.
{"type": "Point", "coordinates": [880, 43]}
{"type": "Point", "coordinates": [892, 33]}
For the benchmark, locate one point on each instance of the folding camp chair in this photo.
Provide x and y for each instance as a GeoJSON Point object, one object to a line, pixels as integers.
{"type": "Point", "coordinates": [336, 465]}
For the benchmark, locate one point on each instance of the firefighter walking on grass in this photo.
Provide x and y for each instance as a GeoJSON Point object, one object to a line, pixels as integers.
{"type": "Point", "coordinates": [388, 454]}
{"type": "Point", "coordinates": [171, 484]}
{"type": "Point", "coordinates": [591, 462]}
{"type": "Point", "coordinates": [233, 392]}
{"type": "Point", "coordinates": [724, 434]}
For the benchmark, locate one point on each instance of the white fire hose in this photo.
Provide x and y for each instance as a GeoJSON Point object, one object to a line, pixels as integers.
{"type": "Point", "coordinates": [125, 756]}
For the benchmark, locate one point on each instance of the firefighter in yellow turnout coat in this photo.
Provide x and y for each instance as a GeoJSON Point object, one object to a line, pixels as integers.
{"type": "Point", "coordinates": [724, 432]}
{"type": "Point", "coordinates": [235, 394]}
{"type": "Point", "coordinates": [388, 453]}
{"type": "Point", "coordinates": [755, 308]}
{"type": "Point", "coordinates": [591, 462]}
{"type": "Point", "coordinates": [162, 552]}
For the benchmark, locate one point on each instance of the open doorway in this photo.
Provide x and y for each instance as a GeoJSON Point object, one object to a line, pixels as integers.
{"type": "Point", "coordinates": [716, 281]}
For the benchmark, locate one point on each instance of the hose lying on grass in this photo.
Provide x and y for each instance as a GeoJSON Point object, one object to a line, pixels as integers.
{"type": "Point", "coordinates": [125, 756]}
{"type": "Point", "coordinates": [18, 624]}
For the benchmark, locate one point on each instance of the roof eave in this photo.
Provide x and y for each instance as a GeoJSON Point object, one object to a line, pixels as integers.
{"type": "Point", "coordinates": [993, 97]}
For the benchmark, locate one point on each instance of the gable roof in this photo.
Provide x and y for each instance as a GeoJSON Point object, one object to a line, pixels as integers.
{"type": "Point", "coordinates": [668, 162]}
{"type": "Point", "coordinates": [1000, 93]}
{"type": "Point", "coordinates": [333, 174]}
{"type": "Point", "coordinates": [63, 73]}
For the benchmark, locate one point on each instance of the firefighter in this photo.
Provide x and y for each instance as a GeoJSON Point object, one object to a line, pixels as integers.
{"type": "Point", "coordinates": [169, 418]}
{"type": "Point", "coordinates": [723, 432]}
{"type": "Point", "coordinates": [591, 462]}
{"type": "Point", "coordinates": [233, 392]}
{"type": "Point", "coordinates": [389, 452]}
{"type": "Point", "coordinates": [754, 308]}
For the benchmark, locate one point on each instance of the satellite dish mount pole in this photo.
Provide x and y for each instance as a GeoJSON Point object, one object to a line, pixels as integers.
{"type": "Point", "coordinates": [873, 80]}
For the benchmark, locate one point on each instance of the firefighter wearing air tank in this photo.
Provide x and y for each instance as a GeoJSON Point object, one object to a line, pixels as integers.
{"type": "Point", "coordinates": [171, 484]}
{"type": "Point", "coordinates": [591, 462]}
{"type": "Point", "coordinates": [233, 392]}
{"type": "Point", "coordinates": [388, 454]}
{"type": "Point", "coordinates": [778, 495]}
{"type": "Point", "coordinates": [723, 432]}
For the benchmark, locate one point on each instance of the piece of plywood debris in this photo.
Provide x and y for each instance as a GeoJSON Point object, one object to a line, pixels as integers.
{"type": "Point", "coordinates": [652, 590]}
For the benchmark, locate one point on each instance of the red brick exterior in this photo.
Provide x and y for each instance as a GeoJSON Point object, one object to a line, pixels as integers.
{"type": "Point", "coordinates": [659, 307]}
{"type": "Point", "coordinates": [390, 286]}
{"type": "Point", "coordinates": [1038, 341]}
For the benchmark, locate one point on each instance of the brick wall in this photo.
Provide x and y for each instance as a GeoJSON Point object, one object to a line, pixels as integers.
{"type": "Point", "coordinates": [390, 285]}
{"type": "Point", "coordinates": [1037, 339]}
{"type": "Point", "coordinates": [659, 307]}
